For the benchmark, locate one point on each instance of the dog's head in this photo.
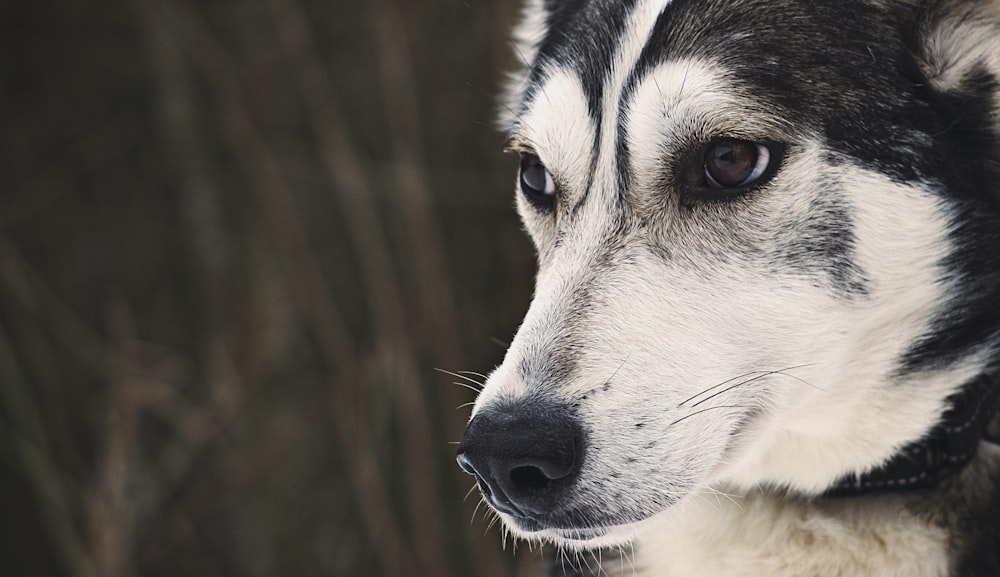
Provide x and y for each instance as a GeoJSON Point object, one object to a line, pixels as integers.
{"type": "Point", "coordinates": [767, 236]}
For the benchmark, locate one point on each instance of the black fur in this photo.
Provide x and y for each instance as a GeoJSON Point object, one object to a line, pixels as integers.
{"type": "Point", "coordinates": [980, 556]}
{"type": "Point", "coordinates": [590, 27]}
{"type": "Point", "coordinates": [850, 72]}
{"type": "Point", "coordinates": [582, 26]}
{"type": "Point", "coordinates": [965, 158]}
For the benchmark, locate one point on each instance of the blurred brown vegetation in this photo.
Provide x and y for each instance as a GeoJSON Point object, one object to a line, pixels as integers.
{"type": "Point", "coordinates": [236, 239]}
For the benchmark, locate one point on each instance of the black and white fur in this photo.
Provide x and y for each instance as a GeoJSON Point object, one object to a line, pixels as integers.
{"type": "Point", "coordinates": [698, 370]}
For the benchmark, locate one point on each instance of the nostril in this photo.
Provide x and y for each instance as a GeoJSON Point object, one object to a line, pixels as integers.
{"type": "Point", "coordinates": [529, 477]}
{"type": "Point", "coordinates": [525, 457]}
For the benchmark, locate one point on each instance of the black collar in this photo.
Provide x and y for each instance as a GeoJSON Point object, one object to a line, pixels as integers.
{"type": "Point", "coordinates": [946, 449]}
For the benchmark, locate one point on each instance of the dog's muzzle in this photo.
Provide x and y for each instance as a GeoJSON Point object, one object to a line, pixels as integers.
{"type": "Point", "coordinates": [525, 455]}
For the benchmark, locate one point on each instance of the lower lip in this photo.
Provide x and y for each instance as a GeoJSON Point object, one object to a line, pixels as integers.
{"type": "Point", "coordinates": [581, 534]}
{"type": "Point", "coordinates": [569, 534]}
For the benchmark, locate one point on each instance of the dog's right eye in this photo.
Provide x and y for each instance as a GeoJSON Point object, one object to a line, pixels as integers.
{"type": "Point", "coordinates": [536, 181]}
{"type": "Point", "coordinates": [731, 163]}
{"type": "Point", "coordinates": [730, 167]}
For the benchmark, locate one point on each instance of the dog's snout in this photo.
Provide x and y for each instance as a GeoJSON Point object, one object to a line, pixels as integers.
{"type": "Point", "coordinates": [523, 455]}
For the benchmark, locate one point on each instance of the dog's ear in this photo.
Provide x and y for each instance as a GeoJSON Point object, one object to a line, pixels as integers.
{"type": "Point", "coordinates": [960, 44]}
{"type": "Point", "coordinates": [527, 37]}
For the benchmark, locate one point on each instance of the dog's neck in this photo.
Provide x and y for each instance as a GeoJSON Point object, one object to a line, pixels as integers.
{"type": "Point", "coordinates": [946, 449]}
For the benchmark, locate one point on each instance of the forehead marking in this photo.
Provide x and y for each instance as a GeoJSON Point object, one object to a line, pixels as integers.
{"type": "Point", "coordinates": [606, 167]}
{"type": "Point", "coordinates": [561, 130]}
{"type": "Point", "coordinates": [678, 99]}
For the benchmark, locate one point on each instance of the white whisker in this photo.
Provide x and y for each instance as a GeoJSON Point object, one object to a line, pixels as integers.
{"type": "Point", "coordinates": [460, 375]}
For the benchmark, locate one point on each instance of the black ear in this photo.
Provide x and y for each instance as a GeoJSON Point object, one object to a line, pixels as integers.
{"type": "Point", "coordinates": [959, 58]}
{"type": "Point", "coordinates": [957, 51]}
{"type": "Point", "coordinates": [960, 43]}
{"type": "Point", "coordinates": [954, 67]}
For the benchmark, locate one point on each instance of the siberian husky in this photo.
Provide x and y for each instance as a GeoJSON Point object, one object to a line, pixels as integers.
{"type": "Point", "coordinates": [765, 334]}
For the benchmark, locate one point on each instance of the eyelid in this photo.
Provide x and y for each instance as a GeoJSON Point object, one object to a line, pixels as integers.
{"type": "Point", "coordinates": [518, 146]}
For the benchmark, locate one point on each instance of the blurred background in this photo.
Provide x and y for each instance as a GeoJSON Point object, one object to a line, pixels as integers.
{"type": "Point", "coordinates": [237, 237]}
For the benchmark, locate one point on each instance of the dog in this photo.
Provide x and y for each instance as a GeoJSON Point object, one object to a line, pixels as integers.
{"type": "Point", "coordinates": [765, 333]}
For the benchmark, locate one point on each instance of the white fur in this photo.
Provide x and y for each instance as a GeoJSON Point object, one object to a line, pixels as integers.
{"type": "Point", "coordinates": [781, 537]}
{"type": "Point", "coordinates": [825, 399]}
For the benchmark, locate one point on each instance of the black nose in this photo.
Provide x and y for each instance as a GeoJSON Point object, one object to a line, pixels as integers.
{"type": "Point", "coordinates": [524, 455]}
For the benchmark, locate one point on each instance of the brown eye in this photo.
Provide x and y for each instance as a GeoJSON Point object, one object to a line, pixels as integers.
{"type": "Point", "coordinates": [732, 163]}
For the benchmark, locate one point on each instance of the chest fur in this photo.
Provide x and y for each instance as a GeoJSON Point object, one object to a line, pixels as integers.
{"type": "Point", "coordinates": [762, 535]}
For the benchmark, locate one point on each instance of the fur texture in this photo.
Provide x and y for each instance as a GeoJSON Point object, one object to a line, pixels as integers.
{"type": "Point", "coordinates": [719, 361]}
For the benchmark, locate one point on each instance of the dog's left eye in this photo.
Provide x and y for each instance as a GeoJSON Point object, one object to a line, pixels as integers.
{"type": "Point", "coordinates": [730, 163]}
{"type": "Point", "coordinates": [536, 181]}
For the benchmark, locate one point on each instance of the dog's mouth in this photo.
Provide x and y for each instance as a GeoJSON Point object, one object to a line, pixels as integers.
{"type": "Point", "coordinates": [529, 457]}
{"type": "Point", "coordinates": [582, 534]}
{"type": "Point", "coordinates": [581, 528]}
